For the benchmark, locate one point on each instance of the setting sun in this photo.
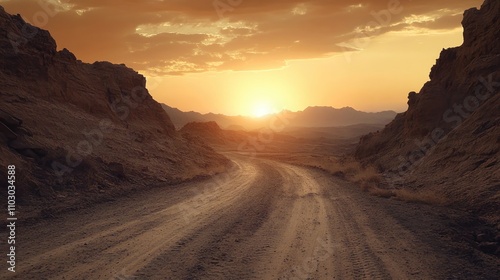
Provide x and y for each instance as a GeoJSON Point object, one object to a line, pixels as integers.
{"type": "Point", "coordinates": [231, 139]}
{"type": "Point", "coordinates": [262, 109]}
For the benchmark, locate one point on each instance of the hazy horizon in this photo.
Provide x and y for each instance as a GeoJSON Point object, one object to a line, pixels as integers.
{"type": "Point", "coordinates": [105, 180]}
{"type": "Point", "coordinates": [280, 111]}
{"type": "Point", "coordinates": [257, 58]}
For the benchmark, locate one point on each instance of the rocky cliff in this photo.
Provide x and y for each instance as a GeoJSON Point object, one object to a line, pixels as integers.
{"type": "Point", "coordinates": [449, 137]}
{"type": "Point", "coordinates": [76, 130]}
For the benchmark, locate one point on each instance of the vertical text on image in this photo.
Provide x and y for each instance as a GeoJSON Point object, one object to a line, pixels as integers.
{"type": "Point", "coordinates": [11, 219]}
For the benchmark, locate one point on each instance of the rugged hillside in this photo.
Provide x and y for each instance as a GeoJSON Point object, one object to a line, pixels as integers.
{"type": "Point", "coordinates": [310, 117]}
{"type": "Point", "coordinates": [448, 140]}
{"type": "Point", "coordinates": [76, 131]}
{"type": "Point", "coordinates": [208, 132]}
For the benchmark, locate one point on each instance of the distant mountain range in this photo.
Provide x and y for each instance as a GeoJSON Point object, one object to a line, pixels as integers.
{"type": "Point", "coordinates": [310, 117]}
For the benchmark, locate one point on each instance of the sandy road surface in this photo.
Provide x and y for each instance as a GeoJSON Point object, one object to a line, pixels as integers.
{"type": "Point", "coordinates": [262, 220]}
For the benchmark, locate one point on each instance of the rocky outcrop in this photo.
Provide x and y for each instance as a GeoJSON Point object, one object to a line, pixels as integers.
{"type": "Point", "coordinates": [448, 138]}
{"type": "Point", "coordinates": [205, 132]}
{"type": "Point", "coordinates": [208, 128]}
{"type": "Point", "coordinates": [74, 128]}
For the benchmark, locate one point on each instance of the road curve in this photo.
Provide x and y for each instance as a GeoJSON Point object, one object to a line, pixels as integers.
{"type": "Point", "coordinates": [261, 220]}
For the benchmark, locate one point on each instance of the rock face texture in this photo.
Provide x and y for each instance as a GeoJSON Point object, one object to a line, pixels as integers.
{"type": "Point", "coordinates": [449, 137]}
{"type": "Point", "coordinates": [207, 130]}
{"type": "Point", "coordinates": [209, 133]}
{"type": "Point", "coordinates": [73, 129]}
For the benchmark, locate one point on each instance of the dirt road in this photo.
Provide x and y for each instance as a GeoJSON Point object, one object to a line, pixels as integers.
{"type": "Point", "coordinates": [262, 220]}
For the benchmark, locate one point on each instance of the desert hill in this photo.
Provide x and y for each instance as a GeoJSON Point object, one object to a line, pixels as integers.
{"type": "Point", "coordinates": [310, 117]}
{"type": "Point", "coordinates": [76, 131]}
{"type": "Point", "coordinates": [180, 119]}
{"type": "Point", "coordinates": [448, 140]}
{"type": "Point", "coordinates": [208, 132]}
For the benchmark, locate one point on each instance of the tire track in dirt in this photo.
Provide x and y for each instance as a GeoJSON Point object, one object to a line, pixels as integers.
{"type": "Point", "coordinates": [129, 245]}
{"type": "Point", "coordinates": [262, 220]}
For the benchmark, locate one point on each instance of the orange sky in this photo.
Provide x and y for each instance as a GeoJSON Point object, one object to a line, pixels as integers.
{"type": "Point", "coordinates": [251, 57]}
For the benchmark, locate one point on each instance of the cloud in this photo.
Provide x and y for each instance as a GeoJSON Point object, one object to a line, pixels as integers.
{"type": "Point", "coordinates": [178, 36]}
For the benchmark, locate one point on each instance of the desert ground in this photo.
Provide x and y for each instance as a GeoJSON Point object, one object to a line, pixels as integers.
{"type": "Point", "coordinates": [263, 219]}
{"type": "Point", "coordinates": [109, 186]}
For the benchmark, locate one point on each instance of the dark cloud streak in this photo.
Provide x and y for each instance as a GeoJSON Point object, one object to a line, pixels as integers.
{"type": "Point", "coordinates": [254, 35]}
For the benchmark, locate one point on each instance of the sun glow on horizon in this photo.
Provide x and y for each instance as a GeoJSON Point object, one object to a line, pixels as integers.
{"type": "Point", "coordinates": [262, 58]}
{"type": "Point", "coordinates": [262, 108]}
{"type": "Point", "coordinates": [339, 80]}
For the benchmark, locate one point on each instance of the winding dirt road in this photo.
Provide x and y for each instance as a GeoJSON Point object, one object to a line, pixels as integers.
{"type": "Point", "coordinates": [262, 220]}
